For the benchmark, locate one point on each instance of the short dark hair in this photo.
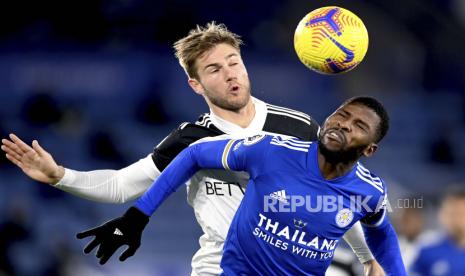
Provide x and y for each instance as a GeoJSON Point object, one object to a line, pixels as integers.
{"type": "Point", "coordinates": [378, 108]}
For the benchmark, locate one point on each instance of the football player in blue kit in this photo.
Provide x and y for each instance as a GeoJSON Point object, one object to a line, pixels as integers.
{"type": "Point", "coordinates": [444, 254]}
{"type": "Point", "coordinates": [273, 233]}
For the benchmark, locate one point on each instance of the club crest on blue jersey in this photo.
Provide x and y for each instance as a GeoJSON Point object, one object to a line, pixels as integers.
{"type": "Point", "coordinates": [253, 139]}
{"type": "Point", "coordinates": [299, 223]}
{"type": "Point", "coordinates": [344, 217]}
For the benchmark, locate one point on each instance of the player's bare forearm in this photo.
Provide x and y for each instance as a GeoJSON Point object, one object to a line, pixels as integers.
{"type": "Point", "coordinates": [33, 160]}
{"type": "Point", "coordinates": [373, 268]}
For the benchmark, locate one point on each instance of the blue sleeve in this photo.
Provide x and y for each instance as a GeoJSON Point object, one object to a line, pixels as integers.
{"type": "Point", "coordinates": [247, 154]}
{"type": "Point", "coordinates": [181, 169]}
{"type": "Point", "coordinates": [382, 241]}
{"type": "Point", "coordinates": [217, 154]}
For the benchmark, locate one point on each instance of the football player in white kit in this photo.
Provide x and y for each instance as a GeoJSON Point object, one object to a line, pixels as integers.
{"type": "Point", "coordinates": [212, 61]}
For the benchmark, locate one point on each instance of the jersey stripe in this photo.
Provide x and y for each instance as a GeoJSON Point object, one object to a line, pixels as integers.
{"type": "Point", "coordinates": [290, 143]}
{"type": "Point", "coordinates": [224, 159]}
{"type": "Point", "coordinates": [289, 111]}
{"type": "Point", "coordinates": [205, 121]}
{"type": "Point", "coordinates": [183, 125]}
{"type": "Point", "coordinates": [362, 167]}
{"type": "Point", "coordinates": [370, 176]}
{"type": "Point", "coordinates": [289, 115]}
{"type": "Point", "coordinates": [289, 146]}
{"type": "Point", "coordinates": [369, 181]}
{"type": "Point", "coordinates": [292, 139]}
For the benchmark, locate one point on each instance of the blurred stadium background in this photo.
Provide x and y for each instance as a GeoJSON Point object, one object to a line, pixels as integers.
{"type": "Point", "coordinates": [96, 82]}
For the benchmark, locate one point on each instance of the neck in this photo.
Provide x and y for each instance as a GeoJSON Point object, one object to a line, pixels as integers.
{"type": "Point", "coordinates": [333, 170]}
{"type": "Point", "coordinates": [242, 117]}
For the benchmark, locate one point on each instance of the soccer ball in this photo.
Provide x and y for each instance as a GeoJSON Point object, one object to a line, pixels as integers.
{"type": "Point", "coordinates": [331, 40]}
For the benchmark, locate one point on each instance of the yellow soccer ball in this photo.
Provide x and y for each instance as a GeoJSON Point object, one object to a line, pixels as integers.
{"type": "Point", "coordinates": [331, 40]}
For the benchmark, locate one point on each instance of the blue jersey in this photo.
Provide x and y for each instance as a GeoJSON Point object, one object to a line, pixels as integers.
{"type": "Point", "coordinates": [441, 258]}
{"type": "Point", "coordinates": [291, 219]}
{"type": "Point", "coordinates": [268, 238]}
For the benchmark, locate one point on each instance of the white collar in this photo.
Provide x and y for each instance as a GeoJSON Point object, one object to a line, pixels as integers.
{"type": "Point", "coordinates": [253, 128]}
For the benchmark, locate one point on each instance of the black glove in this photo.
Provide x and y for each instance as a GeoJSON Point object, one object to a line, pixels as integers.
{"type": "Point", "coordinates": [125, 230]}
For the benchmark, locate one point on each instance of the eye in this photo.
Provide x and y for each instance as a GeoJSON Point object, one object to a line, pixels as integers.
{"type": "Point", "coordinates": [342, 114]}
{"type": "Point", "coordinates": [362, 127]}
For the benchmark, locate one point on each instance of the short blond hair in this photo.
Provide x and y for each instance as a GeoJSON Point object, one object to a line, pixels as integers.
{"type": "Point", "coordinates": [200, 40]}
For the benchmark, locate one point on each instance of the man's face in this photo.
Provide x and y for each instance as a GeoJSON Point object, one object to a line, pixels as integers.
{"type": "Point", "coordinates": [452, 216]}
{"type": "Point", "coordinates": [223, 79]}
{"type": "Point", "coordinates": [349, 133]}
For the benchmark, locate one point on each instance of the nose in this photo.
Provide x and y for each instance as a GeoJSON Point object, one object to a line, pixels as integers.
{"type": "Point", "coordinates": [344, 125]}
{"type": "Point", "coordinates": [230, 73]}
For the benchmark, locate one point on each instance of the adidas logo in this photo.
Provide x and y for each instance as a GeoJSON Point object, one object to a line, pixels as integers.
{"type": "Point", "coordinates": [117, 232]}
{"type": "Point", "coordinates": [280, 195]}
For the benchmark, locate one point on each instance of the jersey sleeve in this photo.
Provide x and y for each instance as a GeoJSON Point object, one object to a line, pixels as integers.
{"type": "Point", "coordinates": [382, 238]}
{"type": "Point", "coordinates": [111, 186]}
{"type": "Point", "coordinates": [247, 154]}
{"type": "Point", "coordinates": [177, 140]}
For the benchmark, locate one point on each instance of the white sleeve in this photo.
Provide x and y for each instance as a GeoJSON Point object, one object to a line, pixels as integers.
{"type": "Point", "coordinates": [111, 186]}
{"type": "Point", "coordinates": [356, 239]}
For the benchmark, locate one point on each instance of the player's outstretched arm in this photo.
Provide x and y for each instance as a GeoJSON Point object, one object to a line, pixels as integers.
{"type": "Point", "coordinates": [33, 160]}
{"type": "Point", "coordinates": [111, 186]}
{"type": "Point", "coordinates": [127, 230]}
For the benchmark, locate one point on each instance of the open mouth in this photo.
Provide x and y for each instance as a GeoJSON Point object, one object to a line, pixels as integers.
{"type": "Point", "coordinates": [234, 88]}
{"type": "Point", "coordinates": [336, 135]}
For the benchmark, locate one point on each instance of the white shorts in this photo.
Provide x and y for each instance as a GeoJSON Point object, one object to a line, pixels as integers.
{"type": "Point", "coordinates": [207, 259]}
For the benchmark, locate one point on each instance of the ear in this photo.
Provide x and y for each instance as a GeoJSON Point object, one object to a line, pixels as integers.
{"type": "Point", "coordinates": [196, 86]}
{"type": "Point", "coordinates": [370, 150]}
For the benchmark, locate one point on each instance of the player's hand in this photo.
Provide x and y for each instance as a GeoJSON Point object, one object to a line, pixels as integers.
{"type": "Point", "coordinates": [125, 230]}
{"type": "Point", "coordinates": [373, 268]}
{"type": "Point", "coordinates": [35, 162]}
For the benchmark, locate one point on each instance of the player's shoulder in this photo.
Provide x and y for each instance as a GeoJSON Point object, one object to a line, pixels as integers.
{"type": "Point", "coordinates": [201, 127]}
{"type": "Point", "coordinates": [237, 140]}
{"type": "Point", "coordinates": [371, 180]}
{"type": "Point", "coordinates": [204, 120]}
{"type": "Point", "coordinates": [276, 143]}
{"type": "Point", "coordinates": [288, 113]}
{"type": "Point", "coordinates": [214, 138]}
{"type": "Point", "coordinates": [288, 143]}
{"type": "Point", "coordinates": [283, 120]}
